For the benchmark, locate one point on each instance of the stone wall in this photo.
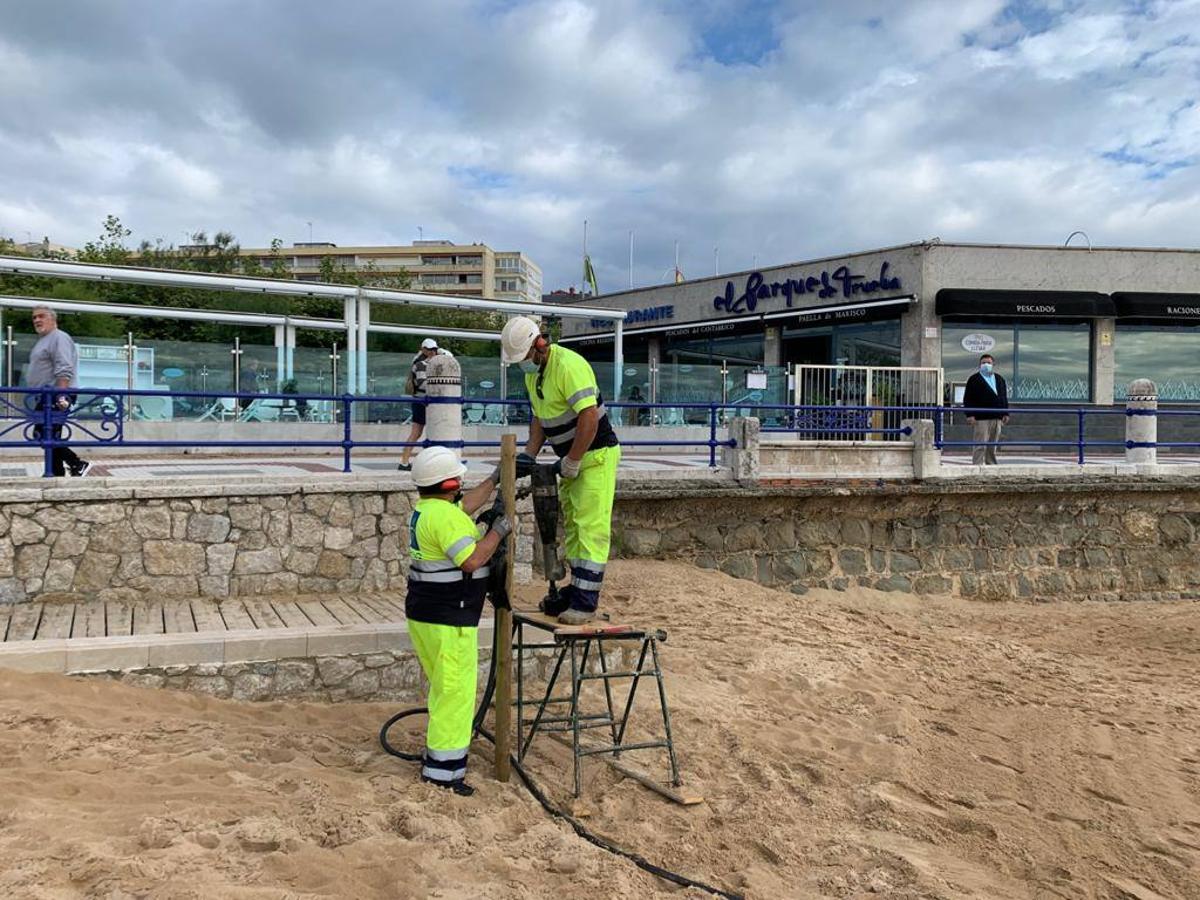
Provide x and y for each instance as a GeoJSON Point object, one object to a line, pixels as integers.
{"type": "Point", "coordinates": [1074, 539]}
{"type": "Point", "coordinates": [123, 542]}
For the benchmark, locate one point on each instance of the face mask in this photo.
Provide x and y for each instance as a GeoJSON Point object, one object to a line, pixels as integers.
{"type": "Point", "coordinates": [528, 366]}
{"type": "Point", "coordinates": [985, 368]}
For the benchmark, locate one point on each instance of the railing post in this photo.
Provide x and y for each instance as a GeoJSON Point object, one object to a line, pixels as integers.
{"type": "Point", "coordinates": [1141, 423]}
{"type": "Point", "coordinates": [712, 436]}
{"type": "Point", "coordinates": [47, 435]}
{"type": "Point", "coordinates": [347, 442]}
{"type": "Point", "coordinates": [1082, 413]}
{"type": "Point", "coordinates": [938, 425]}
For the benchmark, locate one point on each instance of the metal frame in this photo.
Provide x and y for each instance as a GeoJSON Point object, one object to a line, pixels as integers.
{"type": "Point", "coordinates": [567, 644]}
{"type": "Point", "coordinates": [357, 302]}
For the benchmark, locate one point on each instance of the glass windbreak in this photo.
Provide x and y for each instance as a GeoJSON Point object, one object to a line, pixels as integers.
{"type": "Point", "coordinates": [635, 388]}
{"type": "Point", "coordinates": [1048, 363]}
{"type": "Point", "coordinates": [481, 383]}
{"type": "Point", "coordinates": [757, 384]}
{"type": "Point", "coordinates": [184, 366]}
{"type": "Point", "coordinates": [1164, 354]}
{"type": "Point", "coordinates": [687, 383]}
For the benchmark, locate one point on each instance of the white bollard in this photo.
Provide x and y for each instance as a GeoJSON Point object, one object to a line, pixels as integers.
{"type": "Point", "coordinates": [1142, 395]}
{"type": "Point", "coordinates": [443, 421]}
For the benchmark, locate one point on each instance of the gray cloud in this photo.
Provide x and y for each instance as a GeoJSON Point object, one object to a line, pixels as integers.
{"type": "Point", "coordinates": [767, 129]}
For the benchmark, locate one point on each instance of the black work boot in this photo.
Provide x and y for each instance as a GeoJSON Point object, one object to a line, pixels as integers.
{"type": "Point", "coordinates": [555, 602]}
{"type": "Point", "coordinates": [459, 787]}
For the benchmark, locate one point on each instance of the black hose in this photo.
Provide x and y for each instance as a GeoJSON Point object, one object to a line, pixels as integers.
{"type": "Point", "coordinates": [603, 843]}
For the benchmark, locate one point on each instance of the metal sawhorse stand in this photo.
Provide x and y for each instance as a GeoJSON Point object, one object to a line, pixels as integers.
{"type": "Point", "coordinates": [576, 646]}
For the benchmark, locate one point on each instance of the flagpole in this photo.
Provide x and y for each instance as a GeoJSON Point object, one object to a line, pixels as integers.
{"type": "Point", "coordinates": [585, 256]}
{"type": "Point", "coordinates": [631, 259]}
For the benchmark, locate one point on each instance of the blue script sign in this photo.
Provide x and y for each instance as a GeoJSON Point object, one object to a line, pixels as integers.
{"type": "Point", "coordinates": [828, 284]}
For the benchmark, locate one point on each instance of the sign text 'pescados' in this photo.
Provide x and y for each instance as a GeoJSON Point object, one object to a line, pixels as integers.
{"type": "Point", "coordinates": [841, 281]}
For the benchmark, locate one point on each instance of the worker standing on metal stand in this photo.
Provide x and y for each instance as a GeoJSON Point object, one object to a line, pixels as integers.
{"type": "Point", "coordinates": [447, 581]}
{"type": "Point", "coordinates": [568, 410]}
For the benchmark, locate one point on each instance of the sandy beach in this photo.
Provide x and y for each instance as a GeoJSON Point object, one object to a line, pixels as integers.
{"type": "Point", "coordinates": [848, 745]}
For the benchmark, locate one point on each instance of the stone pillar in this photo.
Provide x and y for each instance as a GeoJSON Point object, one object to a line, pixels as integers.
{"type": "Point", "coordinates": [1104, 361]}
{"type": "Point", "coordinates": [1143, 428]}
{"type": "Point", "coordinates": [926, 458]}
{"type": "Point", "coordinates": [773, 345]}
{"type": "Point", "coordinates": [443, 421]}
{"type": "Point", "coordinates": [743, 458]}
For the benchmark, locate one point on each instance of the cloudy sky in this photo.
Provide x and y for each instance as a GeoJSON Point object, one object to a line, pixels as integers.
{"type": "Point", "coordinates": [772, 131]}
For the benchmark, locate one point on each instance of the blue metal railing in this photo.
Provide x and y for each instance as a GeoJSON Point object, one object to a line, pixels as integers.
{"type": "Point", "coordinates": [95, 417]}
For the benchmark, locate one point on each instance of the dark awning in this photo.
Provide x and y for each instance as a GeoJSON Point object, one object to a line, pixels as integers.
{"type": "Point", "coordinates": [1024, 304]}
{"type": "Point", "coordinates": [1168, 307]}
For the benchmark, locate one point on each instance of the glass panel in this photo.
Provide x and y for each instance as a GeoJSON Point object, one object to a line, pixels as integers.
{"type": "Point", "coordinates": [687, 383]}
{"type": "Point", "coordinates": [312, 369]}
{"type": "Point", "coordinates": [870, 344]}
{"type": "Point", "coordinates": [481, 383]}
{"type": "Point", "coordinates": [635, 386]}
{"type": "Point", "coordinates": [739, 389]}
{"type": "Point", "coordinates": [1164, 354]}
{"type": "Point", "coordinates": [184, 366]}
{"type": "Point", "coordinates": [1053, 363]}
{"type": "Point", "coordinates": [964, 343]}
{"type": "Point", "coordinates": [386, 375]}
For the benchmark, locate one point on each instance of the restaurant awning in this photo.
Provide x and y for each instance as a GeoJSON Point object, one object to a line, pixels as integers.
{"type": "Point", "coordinates": [1024, 304]}
{"type": "Point", "coordinates": [1184, 308]}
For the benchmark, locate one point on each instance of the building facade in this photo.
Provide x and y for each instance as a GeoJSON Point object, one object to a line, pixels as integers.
{"type": "Point", "coordinates": [1065, 324]}
{"type": "Point", "coordinates": [470, 270]}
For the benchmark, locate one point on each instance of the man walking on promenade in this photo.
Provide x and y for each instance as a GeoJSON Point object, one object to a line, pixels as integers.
{"type": "Point", "coordinates": [986, 395]}
{"type": "Point", "coordinates": [54, 362]}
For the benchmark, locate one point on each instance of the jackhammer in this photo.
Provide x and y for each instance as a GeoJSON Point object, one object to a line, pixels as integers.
{"type": "Point", "coordinates": [544, 485]}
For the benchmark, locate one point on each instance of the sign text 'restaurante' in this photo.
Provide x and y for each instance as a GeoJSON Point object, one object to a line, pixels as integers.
{"type": "Point", "coordinates": [828, 284]}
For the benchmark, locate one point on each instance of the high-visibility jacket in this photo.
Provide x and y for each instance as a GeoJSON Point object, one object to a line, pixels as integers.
{"type": "Point", "coordinates": [559, 392]}
{"type": "Point", "coordinates": [441, 538]}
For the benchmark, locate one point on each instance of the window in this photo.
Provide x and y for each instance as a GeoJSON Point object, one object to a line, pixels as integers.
{"type": "Point", "coordinates": [1039, 362]}
{"type": "Point", "coordinates": [506, 284]}
{"type": "Point", "coordinates": [508, 263]}
{"type": "Point", "coordinates": [1166, 354]}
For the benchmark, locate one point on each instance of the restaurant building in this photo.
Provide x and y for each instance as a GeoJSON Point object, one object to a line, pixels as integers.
{"type": "Point", "coordinates": [1065, 324]}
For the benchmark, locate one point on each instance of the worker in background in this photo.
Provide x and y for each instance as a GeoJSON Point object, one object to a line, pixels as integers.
{"type": "Point", "coordinates": [568, 411]}
{"type": "Point", "coordinates": [447, 581]}
{"type": "Point", "coordinates": [414, 386]}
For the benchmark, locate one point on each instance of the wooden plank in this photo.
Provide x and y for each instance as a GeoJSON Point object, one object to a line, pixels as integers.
{"type": "Point", "coordinates": [177, 617]}
{"type": "Point", "coordinates": [364, 609]}
{"type": "Point", "coordinates": [56, 622]}
{"type": "Point", "coordinates": [263, 615]}
{"type": "Point", "coordinates": [316, 613]}
{"type": "Point", "coordinates": [90, 620]}
{"type": "Point", "coordinates": [235, 616]}
{"type": "Point", "coordinates": [290, 614]}
{"type": "Point", "coordinates": [207, 616]}
{"type": "Point", "coordinates": [678, 795]}
{"type": "Point", "coordinates": [549, 623]}
{"type": "Point", "coordinates": [24, 622]}
{"type": "Point", "coordinates": [120, 619]}
{"type": "Point", "coordinates": [393, 611]}
{"type": "Point", "coordinates": [148, 618]}
{"type": "Point", "coordinates": [343, 613]}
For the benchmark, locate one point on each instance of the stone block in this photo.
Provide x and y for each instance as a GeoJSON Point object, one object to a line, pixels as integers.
{"type": "Point", "coordinates": [852, 562]}
{"type": "Point", "coordinates": [332, 564]}
{"type": "Point", "coordinates": [100, 513]}
{"type": "Point", "coordinates": [208, 529]}
{"type": "Point", "coordinates": [740, 565]}
{"type": "Point", "coordinates": [7, 559]}
{"type": "Point", "coordinates": [640, 541]}
{"type": "Point", "coordinates": [31, 561]}
{"type": "Point", "coordinates": [219, 558]}
{"type": "Point", "coordinates": [340, 514]}
{"type": "Point", "coordinates": [338, 538]}
{"type": "Point", "coordinates": [293, 677]}
{"type": "Point", "coordinates": [186, 649]}
{"type": "Point", "coordinates": [1175, 529]}
{"type": "Point", "coordinates": [335, 670]}
{"type": "Point", "coordinates": [26, 531]}
{"type": "Point", "coordinates": [281, 643]}
{"type": "Point", "coordinates": [246, 516]}
{"type": "Point", "coordinates": [258, 562]}
{"type": "Point", "coordinates": [251, 686]}
{"type": "Point", "coordinates": [931, 584]}
{"type": "Point", "coordinates": [213, 585]}
{"type": "Point", "coordinates": [34, 656]}
{"type": "Point", "coordinates": [856, 533]}
{"type": "Point", "coordinates": [174, 558]}
{"type": "Point", "coordinates": [60, 575]}
{"type": "Point", "coordinates": [791, 565]}
{"type": "Point", "coordinates": [893, 583]}
{"type": "Point", "coordinates": [903, 562]}
{"type": "Point", "coordinates": [107, 654]}
{"type": "Point", "coordinates": [395, 638]}
{"type": "Point", "coordinates": [69, 545]}
{"type": "Point", "coordinates": [342, 640]}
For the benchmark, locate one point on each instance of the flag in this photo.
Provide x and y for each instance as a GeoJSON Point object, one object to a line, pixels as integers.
{"type": "Point", "coordinates": [678, 275]}
{"type": "Point", "coordinates": [589, 274]}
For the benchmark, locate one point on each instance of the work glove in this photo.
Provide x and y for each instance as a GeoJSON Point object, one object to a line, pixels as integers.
{"type": "Point", "coordinates": [503, 526]}
{"type": "Point", "coordinates": [525, 466]}
{"type": "Point", "coordinates": [567, 467]}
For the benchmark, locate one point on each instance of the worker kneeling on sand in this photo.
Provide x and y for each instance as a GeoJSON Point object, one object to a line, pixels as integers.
{"type": "Point", "coordinates": [447, 582]}
{"type": "Point", "coordinates": [568, 410]}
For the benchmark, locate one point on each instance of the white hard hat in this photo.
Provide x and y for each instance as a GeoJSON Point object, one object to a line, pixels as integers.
{"type": "Point", "coordinates": [429, 344]}
{"type": "Point", "coordinates": [435, 465]}
{"type": "Point", "coordinates": [517, 337]}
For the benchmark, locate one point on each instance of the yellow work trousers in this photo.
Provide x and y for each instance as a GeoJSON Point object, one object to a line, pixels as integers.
{"type": "Point", "coordinates": [587, 502]}
{"type": "Point", "coordinates": [449, 656]}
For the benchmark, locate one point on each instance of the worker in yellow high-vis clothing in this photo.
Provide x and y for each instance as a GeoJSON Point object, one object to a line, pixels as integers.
{"type": "Point", "coordinates": [447, 580]}
{"type": "Point", "coordinates": [568, 411]}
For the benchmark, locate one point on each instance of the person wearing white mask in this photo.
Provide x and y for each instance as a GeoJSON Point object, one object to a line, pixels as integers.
{"type": "Point", "coordinates": [986, 398]}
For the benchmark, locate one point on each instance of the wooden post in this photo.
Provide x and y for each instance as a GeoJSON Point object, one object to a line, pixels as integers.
{"type": "Point", "coordinates": [503, 695]}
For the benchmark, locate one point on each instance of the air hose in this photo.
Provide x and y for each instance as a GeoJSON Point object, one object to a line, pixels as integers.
{"type": "Point", "coordinates": [603, 843]}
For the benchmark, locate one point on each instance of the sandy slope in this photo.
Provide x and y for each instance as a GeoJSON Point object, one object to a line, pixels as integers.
{"type": "Point", "coordinates": [848, 744]}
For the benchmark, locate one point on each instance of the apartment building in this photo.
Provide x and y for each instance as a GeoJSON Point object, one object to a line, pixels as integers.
{"type": "Point", "coordinates": [468, 270]}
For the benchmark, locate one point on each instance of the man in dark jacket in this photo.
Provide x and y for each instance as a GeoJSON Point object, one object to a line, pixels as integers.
{"type": "Point", "coordinates": [987, 393]}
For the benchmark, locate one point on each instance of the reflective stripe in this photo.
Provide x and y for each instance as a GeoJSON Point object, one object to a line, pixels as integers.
{"type": "Point", "coordinates": [585, 584]}
{"type": "Point", "coordinates": [482, 572]}
{"type": "Point", "coordinates": [569, 416]}
{"type": "Point", "coordinates": [565, 438]}
{"type": "Point", "coordinates": [446, 755]}
{"type": "Point", "coordinates": [433, 565]}
{"type": "Point", "coordinates": [436, 577]}
{"type": "Point", "coordinates": [595, 567]}
{"type": "Point", "coordinates": [580, 394]}
{"type": "Point", "coordinates": [461, 544]}
{"type": "Point", "coordinates": [444, 775]}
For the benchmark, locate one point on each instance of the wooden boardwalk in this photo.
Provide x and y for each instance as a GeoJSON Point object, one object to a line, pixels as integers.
{"type": "Point", "coordinates": [99, 619]}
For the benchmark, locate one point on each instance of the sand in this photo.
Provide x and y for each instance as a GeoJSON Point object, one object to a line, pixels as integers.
{"type": "Point", "coordinates": [848, 744]}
